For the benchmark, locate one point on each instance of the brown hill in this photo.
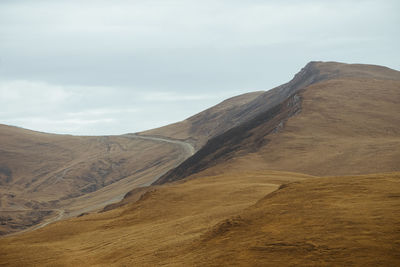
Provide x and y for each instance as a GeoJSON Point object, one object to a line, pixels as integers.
{"type": "Point", "coordinates": [331, 119]}
{"type": "Point", "coordinates": [231, 219]}
{"type": "Point", "coordinates": [44, 175]}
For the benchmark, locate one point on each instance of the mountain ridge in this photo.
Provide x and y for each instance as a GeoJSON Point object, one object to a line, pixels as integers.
{"type": "Point", "coordinates": [312, 73]}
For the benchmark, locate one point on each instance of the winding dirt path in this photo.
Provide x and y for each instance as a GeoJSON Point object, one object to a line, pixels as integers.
{"type": "Point", "coordinates": [187, 147]}
{"type": "Point", "coordinates": [50, 220]}
{"type": "Point", "coordinates": [58, 217]}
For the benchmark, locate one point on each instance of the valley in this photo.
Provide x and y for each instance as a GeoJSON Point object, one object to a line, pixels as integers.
{"type": "Point", "coordinates": [93, 172]}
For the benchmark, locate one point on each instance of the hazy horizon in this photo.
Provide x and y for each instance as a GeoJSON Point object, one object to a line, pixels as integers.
{"type": "Point", "coordinates": [101, 68]}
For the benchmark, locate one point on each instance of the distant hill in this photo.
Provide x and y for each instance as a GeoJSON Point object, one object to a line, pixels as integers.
{"type": "Point", "coordinates": [216, 120]}
{"type": "Point", "coordinates": [42, 174]}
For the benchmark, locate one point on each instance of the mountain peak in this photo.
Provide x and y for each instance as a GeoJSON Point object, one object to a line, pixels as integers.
{"type": "Point", "coordinates": [267, 113]}
{"type": "Point", "coordinates": [325, 70]}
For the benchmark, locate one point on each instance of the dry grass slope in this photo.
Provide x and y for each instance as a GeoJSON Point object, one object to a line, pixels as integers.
{"type": "Point", "coordinates": [347, 126]}
{"type": "Point", "coordinates": [341, 221]}
{"type": "Point", "coordinates": [231, 219]}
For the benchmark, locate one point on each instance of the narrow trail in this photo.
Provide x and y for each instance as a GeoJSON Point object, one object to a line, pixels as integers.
{"type": "Point", "coordinates": [42, 224]}
{"type": "Point", "coordinates": [50, 220]}
{"type": "Point", "coordinates": [187, 148]}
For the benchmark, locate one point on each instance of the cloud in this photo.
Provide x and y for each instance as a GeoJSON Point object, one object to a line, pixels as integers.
{"type": "Point", "coordinates": [101, 112]}
{"type": "Point", "coordinates": [176, 97]}
{"type": "Point", "coordinates": [147, 24]}
{"type": "Point", "coordinates": [80, 126]}
{"type": "Point", "coordinates": [11, 90]}
{"type": "Point", "coordinates": [93, 110]}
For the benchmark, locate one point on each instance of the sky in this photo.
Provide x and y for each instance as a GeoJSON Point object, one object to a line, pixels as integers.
{"type": "Point", "coordinates": [112, 67]}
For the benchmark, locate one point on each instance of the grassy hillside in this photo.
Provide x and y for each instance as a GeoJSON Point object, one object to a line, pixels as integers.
{"type": "Point", "coordinates": [232, 219]}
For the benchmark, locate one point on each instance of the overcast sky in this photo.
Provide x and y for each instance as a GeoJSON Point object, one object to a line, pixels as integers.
{"type": "Point", "coordinates": [112, 67]}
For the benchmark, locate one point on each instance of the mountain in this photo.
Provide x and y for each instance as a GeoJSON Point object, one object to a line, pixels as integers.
{"type": "Point", "coordinates": [331, 119]}
{"type": "Point", "coordinates": [305, 174]}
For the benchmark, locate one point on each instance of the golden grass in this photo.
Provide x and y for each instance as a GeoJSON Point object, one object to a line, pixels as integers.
{"type": "Point", "coordinates": [147, 231]}
{"type": "Point", "coordinates": [231, 219]}
{"type": "Point", "coordinates": [336, 221]}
